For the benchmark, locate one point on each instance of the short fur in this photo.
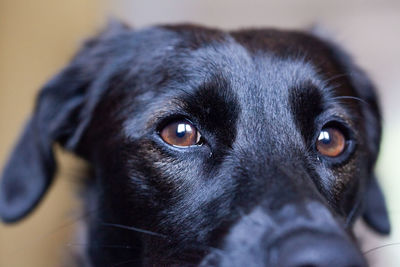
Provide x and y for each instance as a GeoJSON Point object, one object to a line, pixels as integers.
{"type": "Point", "coordinates": [256, 193]}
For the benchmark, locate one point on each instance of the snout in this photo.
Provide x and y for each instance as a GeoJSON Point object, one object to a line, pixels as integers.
{"type": "Point", "coordinates": [317, 250]}
{"type": "Point", "coordinates": [297, 236]}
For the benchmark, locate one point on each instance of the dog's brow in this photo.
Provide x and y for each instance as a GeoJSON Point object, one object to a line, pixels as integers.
{"type": "Point", "coordinates": [216, 106]}
{"type": "Point", "coordinates": [306, 104]}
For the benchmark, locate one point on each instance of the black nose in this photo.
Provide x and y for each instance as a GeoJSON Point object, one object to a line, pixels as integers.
{"type": "Point", "coordinates": [313, 250]}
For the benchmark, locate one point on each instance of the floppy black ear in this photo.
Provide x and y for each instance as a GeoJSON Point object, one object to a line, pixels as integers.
{"type": "Point", "coordinates": [375, 212]}
{"type": "Point", "coordinates": [374, 207]}
{"type": "Point", "coordinates": [30, 169]}
{"type": "Point", "coordinates": [62, 113]}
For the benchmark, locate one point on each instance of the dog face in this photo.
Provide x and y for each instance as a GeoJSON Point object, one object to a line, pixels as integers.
{"type": "Point", "coordinates": [208, 147]}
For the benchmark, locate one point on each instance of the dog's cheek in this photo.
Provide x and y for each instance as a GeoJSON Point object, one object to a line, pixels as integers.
{"type": "Point", "coordinates": [347, 187]}
{"type": "Point", "coordinates": [156, 177]}
{"type": "Point", "coordinates": [189, 201]}
{"type": "Point", "coordinates": [155, 188]}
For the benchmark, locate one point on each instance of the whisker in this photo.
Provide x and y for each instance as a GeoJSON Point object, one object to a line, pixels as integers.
{"type": "Point", "coordinates": [65, 225]}
{"type": "Point", "coordinates": [132, 228]}
{"type": "Point", "coordinates": [336, 77]}
{"type": "Point", "coordinates": [351, 97]}
{"type": "Point", "coordinates": [383, 246]}
{"type": "Point", "coordinates": [101, 246]}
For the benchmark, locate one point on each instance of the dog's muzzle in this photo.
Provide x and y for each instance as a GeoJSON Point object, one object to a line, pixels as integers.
{"type": "Point", "coordinates": [317, 250]}
{"type": "Point", "coordinates": [304, 235]}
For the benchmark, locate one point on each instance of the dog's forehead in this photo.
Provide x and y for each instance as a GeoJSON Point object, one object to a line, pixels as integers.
{"type": "Point", "coordinates": [264, 81]}
{"type": "Point", "coordinates": [264, 85]}
{"type": "Point", "coordinates": [262, 65]}
{"type": "Point", "coordinates": [269, 74]}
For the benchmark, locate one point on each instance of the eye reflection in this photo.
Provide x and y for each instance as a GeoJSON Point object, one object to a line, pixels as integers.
{"type": "Point", "coordinates": [324, 137]}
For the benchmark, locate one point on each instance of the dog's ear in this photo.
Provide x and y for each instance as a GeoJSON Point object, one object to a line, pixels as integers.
{"type": "Point", "coordinates": [374, 207]}
{"type": "Point", "coordinates": [375, 212]}
{"type": "Point", "coordinates": [61, 114]}
{"type": "Point", "coordinates": [30, 169]}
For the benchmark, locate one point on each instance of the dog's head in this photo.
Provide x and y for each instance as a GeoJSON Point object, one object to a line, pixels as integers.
{"type": "Point", "coordinates": [209, 147]}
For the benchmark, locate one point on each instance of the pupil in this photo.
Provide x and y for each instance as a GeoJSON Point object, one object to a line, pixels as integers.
{"type": "Point", "coordinates": [181, 130]}
{"type": "Point", "coordinates": [324, 137]}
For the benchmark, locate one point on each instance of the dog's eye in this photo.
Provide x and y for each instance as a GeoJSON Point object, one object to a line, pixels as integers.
{"type": "Point", "coordinates": [181, 134]}
{"type": "Point", "coordinates": [331, 142]}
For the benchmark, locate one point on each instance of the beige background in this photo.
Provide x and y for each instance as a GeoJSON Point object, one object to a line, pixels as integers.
{"type": "Point", "coordinates": [38, 37]}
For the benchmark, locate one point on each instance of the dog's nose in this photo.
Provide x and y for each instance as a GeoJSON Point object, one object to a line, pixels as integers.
{"type": "Point", "coordinates": [319, 251]}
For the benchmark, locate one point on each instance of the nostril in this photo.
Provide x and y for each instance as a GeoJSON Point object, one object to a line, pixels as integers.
{"type": "Point", "coordinates": [310, 250]}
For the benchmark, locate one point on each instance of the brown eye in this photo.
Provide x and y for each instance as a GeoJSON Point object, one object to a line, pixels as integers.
{"type": "Point", "coordinates": [180, 133]}
{"type": "Point", "coordinates": [331, 142]}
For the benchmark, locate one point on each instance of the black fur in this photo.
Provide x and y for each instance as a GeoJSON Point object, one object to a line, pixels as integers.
{"type": "Point", "coordinates": [256, 192]}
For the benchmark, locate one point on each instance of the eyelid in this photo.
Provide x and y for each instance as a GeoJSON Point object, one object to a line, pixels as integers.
{"type": "Point", "coordinates": [333, 119]}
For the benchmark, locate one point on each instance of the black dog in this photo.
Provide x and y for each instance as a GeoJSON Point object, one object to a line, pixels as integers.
{"type": "Point", "coordinates": [211, 148]}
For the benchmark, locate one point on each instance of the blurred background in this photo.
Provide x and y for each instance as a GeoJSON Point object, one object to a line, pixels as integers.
{"type": "Point", "coordinates": [38, 37]}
